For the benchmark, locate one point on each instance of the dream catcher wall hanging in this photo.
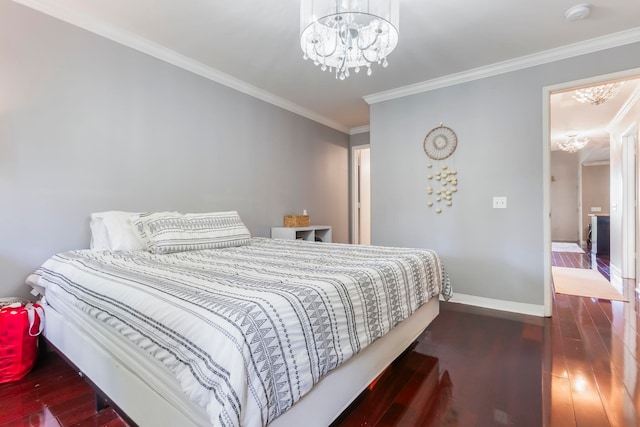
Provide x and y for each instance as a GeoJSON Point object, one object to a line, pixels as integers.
{"type": "Point", "coordinates": [439, 144]}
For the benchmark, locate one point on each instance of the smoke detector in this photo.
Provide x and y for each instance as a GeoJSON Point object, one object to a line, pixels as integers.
{"type": "Point", "coordinates": [577, 12]}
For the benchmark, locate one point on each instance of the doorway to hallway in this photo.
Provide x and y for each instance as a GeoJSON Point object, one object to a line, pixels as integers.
{"type": "Point", "coordinates": [361, 209]}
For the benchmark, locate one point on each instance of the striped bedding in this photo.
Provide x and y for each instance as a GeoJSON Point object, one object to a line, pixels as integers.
{"type": "Point", "coordinates": [247, 330]}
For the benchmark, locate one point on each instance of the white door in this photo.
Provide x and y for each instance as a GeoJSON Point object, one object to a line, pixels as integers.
{"type": "Point", "coordinates": [365, 197]}
{"type": "Point", "coordinates": [361, 194]}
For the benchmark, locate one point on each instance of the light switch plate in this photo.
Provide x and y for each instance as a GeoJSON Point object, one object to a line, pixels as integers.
{"type": "Point", "coordinates": [499, 202]}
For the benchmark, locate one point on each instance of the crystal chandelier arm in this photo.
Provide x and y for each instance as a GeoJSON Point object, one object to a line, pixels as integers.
{"type": "Point", "coordinates": [342, 65]}
{"type": "Point", "coordinates": [319, 37]}
{"type": "Point", "coordinates": [364, 55]}
{"type": "Point", "coordinates": [375, 40]}
{"type": "Point", "coordinates": [377, 58]}
{"type": "Point", "coordinates": [325, 55]}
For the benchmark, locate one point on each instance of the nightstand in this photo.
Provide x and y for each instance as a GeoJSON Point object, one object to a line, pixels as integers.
{"type": "Point", "coordinates": [312, 233]}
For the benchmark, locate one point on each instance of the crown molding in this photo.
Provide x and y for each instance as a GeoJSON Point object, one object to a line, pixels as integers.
{"type": "Point", "coordinates": [540, 58]}
{"type": "Point", "coordinates": [167, 55]}
{"type": "Point", "coordinates": [624, 110]}
{"type": "Point", "coordinates": [359, 129]}
{"type": "Point", "coordinates": [597, 163]}
{"type": "Point", "coordinates": [155, 50]}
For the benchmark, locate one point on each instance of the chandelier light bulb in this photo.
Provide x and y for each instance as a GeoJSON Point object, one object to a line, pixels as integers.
{"type": "Point", "coordinates": [348, 34]}
{"type": "Point", "coordinates": [596, 95]}
{"type": "Point", "coordinates": [573, 143]}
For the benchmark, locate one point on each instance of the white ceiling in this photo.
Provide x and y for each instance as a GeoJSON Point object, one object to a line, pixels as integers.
{"type": "Point", "coordinates": [253, 45]}
{"type": "Point", "coordinates": [569, 116]}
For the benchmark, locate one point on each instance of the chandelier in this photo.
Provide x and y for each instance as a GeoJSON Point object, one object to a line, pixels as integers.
{"type": "Point", "coordinates": [573, 143]}
{"type": "Point", "coordinates": [596, 95]}
{"type": "Point", "coordinates": [343, 34]}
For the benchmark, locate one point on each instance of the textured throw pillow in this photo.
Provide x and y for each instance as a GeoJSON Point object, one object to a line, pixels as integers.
{"type": "Point", "coordinates": [173, 232]}
{"type": "Point", "coordinates": [138, 226]}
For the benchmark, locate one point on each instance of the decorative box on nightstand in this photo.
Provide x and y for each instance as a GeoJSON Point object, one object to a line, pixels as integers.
{"type": "Point", "coordinates": [312, 233]}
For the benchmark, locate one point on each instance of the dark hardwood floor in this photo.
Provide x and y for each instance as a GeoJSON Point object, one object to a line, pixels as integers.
{"type": "Point", "coordinates": [586, 260]}
{"type": "Point", "coordinates": [470, 367]}
{"type": "Point", "coordinates": [52, 394]}
{"type": "Point", "coordinates": [591, 375]}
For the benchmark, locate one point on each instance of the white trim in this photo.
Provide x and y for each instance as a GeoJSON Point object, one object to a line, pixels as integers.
{"type": "Point", "coordinates": [624, 110]}
{"type": "Point", "coordinates": [546, 198]}
{"type": "Point", "coordinates": [581, 224]}
{"type": "Point", "coordinates": [589, 81]}
{"type": "Point", "coordinates": [614, 270]}
{"type": "Point", "coordinates": [160, 52]}
{"type": "Point", "coordinates": [354, 191]}
{"type": "Point", "coordinates": [628, 144]}
{"type": "Point", "coordinates": [501, 305]}
{"type": "Point", "coordinates": [546, 201]}
{"type": "Point", "coordinates": [540, 58]}
{"type": "Point", "coordinates": [597, 163]}
{"type": "Point", "coordinates": [359, 129]}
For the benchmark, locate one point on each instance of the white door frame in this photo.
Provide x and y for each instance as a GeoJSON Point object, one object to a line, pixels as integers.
{"type": "Point", "coordinates": [546, 171]}
{"type": "Point", "coordinates": [355, 225]}
{"type": "Point", "coordinates": [629, 186]}
{"type": "Point", "coordinates": [637, 209]}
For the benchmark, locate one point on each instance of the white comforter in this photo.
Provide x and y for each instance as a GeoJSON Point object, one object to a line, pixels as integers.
{"type": "Point", "coordinates": [248, 330]}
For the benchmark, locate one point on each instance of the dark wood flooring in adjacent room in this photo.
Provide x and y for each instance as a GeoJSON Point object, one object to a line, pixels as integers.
{"type": "Point", "coordinates": [471, 367]}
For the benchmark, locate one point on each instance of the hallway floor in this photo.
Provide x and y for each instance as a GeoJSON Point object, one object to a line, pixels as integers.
{"type": "Point", "coordinates": [591, 375]}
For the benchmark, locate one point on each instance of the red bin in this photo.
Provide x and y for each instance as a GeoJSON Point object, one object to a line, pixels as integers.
{"type": "Point", "coordinates": [20, 325]}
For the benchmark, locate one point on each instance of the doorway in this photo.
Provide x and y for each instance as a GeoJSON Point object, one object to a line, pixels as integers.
{"type": "Point", "coordinates": [361, 200]}
{"type": "Point", "coordinates": [614, 134]}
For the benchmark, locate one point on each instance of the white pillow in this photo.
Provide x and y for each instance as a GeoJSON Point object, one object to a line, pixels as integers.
{"type": "Point", "coordinates": [167, 232]}
{"type": "Point", "coordinates": [99, 236]}
{"type": "Point", "coordinates": [122, 236]}
{"type": "Point", "coordinates": [112, 230]}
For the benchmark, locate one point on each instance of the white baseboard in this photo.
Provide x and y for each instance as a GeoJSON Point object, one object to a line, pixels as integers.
{"type": "Point", "coordinates": [496, 304]}
{"type": "Point", "coordinates": [615, 270]}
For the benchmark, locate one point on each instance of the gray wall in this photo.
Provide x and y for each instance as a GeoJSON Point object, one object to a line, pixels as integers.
{"type": "Point", "coordinates": [596, 191]}
{"type": "Point", "coordinates": [89, 125]}
{"type": "Point", "coordinates": [565, 169]}
{"type": "Point", "coordinates": [491, 253]}
{"type": "Point", "coordinates": [359, 139]}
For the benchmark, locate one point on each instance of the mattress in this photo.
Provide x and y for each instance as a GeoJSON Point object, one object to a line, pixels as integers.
{"type": "Point", "coordinates": [246, 331]}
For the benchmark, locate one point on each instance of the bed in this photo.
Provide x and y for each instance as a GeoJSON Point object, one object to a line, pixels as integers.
{"type": "Point", "coordinates": [260, 333]}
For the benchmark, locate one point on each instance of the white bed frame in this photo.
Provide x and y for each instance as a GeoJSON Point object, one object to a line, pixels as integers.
{"type": "Point", "coordinates": [148, 397]}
